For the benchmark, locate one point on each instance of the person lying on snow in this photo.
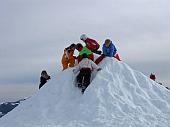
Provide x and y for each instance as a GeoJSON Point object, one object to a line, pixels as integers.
{"type": "Point", "coordinates": [83, 50]}
{"type": "Point", "coordinates": [68, 60]}
{"type": "Point", "coordinates": [109, 50]}
{"type": "Point", "coordinates": [43, 79]}
{"type": "Point", "coordinates": [91, 44]}
{"type": "Point", "coordinates": [86, 66]}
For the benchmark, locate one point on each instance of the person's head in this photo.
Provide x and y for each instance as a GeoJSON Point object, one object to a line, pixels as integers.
{"type": "Point", "coordinates": [84, 56]}
{"type": "Point", "coordinates": [107, 42]}
{"type": "Point", "coordinates": [79, 46]}
{"type": "Point", "coordinates": [43, 72]}
{"type": "Point", "coordinates": [73, 46]}
{"type": "Point", "coordinates": [45, 75]}
{"type": "Point", "coordinates": [152, 76]}
{"type": "Point", "coordinates": [83, 37]}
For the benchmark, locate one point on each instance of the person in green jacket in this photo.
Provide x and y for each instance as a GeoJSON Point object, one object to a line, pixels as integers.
{"type": "Point", "coordinates": [83, 50]}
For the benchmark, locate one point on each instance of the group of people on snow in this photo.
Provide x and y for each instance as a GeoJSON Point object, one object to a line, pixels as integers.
{"type": "Point", "coordinates": [91, 46]}
{"type": "Point", "coordinates": [85, 59]}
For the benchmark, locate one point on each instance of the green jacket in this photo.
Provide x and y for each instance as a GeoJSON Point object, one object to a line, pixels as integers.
{"type": "Point", "coordinates": [85, 50]}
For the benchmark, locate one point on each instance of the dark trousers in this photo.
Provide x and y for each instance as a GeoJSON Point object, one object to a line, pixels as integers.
{"type": "Point", "coordinates": [83, 77]}
{"type": "Point", "coordinates": [42, 81]}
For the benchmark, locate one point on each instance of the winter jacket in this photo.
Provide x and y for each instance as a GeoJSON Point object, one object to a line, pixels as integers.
{"type": "Point", "coordinates": [87, 51]}
{"type": "Point", "coordinates": [43, 79]}
{"type": "Point", "coordinates": [109, 51]}
{"type": "Point", "coordinates": [86, 63]}
{"type": "Point", "coordinates": [91, 44]}
{"type": "Point", "coordinates": [68, 59]}
{"type": "Point", "coordinates": [68, 52]}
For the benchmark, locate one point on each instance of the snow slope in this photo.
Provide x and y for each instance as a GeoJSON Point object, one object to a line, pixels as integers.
{"type": "Point", "coordinates": [117, 97]}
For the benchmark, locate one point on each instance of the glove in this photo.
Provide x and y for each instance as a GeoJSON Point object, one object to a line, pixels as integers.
{"type": "Point", "coordinates": [99, 69]}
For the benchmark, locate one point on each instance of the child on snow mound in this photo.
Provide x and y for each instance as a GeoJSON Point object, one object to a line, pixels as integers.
{"type": "Point", "coordinates": [86, 66]}
{"type": "Point", "coordinates": [91, 44]}
{"type": "Point", "coordinates": [109, 50]}
{"type": "Point", "coordinates": [43, 79]}
{"type": "Point", "coordinates": [83, 50]}
{"type": "Point", "coordinates": [68, 60]}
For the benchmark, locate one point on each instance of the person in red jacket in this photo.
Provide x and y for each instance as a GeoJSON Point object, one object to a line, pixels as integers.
{"type": "Point", "coordinates": [153, 77]}
{"type": "Point", "coordinates": [91, 44]}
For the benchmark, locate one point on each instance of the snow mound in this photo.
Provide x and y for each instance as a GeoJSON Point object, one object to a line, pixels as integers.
{"type": "Point", "coordinates": [118, 96]}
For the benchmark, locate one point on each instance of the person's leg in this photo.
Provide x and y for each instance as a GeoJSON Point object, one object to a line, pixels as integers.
{"type": "Point", "coordinates": [99, 59]}
{"type": "Point", "coordinates": [117, 56]}
{"type": "Point", "coordinates": [79, 79]}
{"type": "Point", "coordinates": [86, 81]}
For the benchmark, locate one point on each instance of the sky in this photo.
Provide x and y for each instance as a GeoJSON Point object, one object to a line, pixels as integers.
{"type": "Point", "coordinates": [34, 33]}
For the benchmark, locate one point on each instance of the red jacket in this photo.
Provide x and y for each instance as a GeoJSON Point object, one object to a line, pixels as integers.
{"type": "Point", "coordinates": [91, 44]}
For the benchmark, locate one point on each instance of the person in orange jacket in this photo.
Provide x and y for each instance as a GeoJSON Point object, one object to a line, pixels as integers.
{"type": "Point", "coordinates": [68, 60]}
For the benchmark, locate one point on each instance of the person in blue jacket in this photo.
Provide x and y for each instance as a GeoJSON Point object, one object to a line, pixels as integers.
{"type": "Point", "coordinates": [109, 50]}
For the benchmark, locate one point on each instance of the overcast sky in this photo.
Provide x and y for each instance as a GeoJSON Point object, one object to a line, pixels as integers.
{"type": "Point", "coordinates": [33, 34]}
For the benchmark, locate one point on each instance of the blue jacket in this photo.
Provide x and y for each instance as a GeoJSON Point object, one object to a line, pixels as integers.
{"type": "Point", "coordinates": [109, 51]}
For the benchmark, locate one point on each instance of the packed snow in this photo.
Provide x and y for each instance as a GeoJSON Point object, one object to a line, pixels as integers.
{"type": "Point", "coordinates": [118, 96]}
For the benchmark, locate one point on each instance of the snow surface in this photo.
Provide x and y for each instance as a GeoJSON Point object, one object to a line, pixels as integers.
{"type": "Point", "coordinates": [118, 96]}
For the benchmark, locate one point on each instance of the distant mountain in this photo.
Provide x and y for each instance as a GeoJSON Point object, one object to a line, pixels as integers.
{"type": "Point", "coordinates": [8, 106]}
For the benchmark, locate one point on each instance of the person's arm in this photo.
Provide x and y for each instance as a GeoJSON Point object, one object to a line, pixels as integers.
{"type": "Point", "coordinates": [94, 66]}
{"type": "Point", "coordinates": [112, 50]}
{"type": "Point", "coordinates": [115, 50]}
{"type": "Point", "coordinates": [104, 49]}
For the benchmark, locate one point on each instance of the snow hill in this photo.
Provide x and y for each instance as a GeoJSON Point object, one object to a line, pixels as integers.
{"type": "Point", "coordinates": [118, 96]}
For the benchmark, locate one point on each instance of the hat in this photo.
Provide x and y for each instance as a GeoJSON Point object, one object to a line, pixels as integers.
{"type": "Point", "coordinates": [83, 37]}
